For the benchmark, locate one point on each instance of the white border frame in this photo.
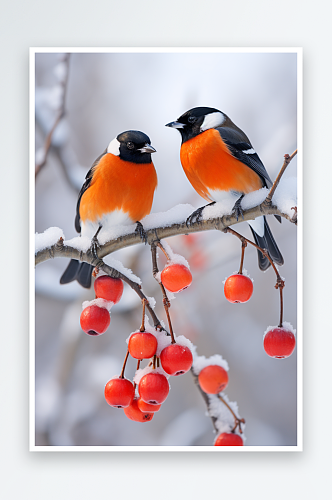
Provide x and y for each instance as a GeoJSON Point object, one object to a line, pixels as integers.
{"type": "Point", "coordinates": [212, 449]}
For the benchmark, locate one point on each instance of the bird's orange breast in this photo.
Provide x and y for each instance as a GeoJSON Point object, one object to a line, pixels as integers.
{"type": "Point", "coordinates": [209, 165]}
{"type": "Point", "coordinates": [119, 185]}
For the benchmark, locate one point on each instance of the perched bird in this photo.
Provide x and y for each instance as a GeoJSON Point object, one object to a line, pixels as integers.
{"type": "Point", "coordinates": [220, 162]}
{"type": "Point", "coordinates": [118, 190]}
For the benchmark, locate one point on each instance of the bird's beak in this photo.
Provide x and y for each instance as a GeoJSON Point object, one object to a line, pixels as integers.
{"type": "Point", "coordinates": [175, 125]}
{"type": "Point", "coordinates": [147, 148]}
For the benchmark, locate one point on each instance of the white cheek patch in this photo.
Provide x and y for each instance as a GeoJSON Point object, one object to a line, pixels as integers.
{"type": "Point", "coordinates": [212, 120]}
{"type": "Point", "coordinates": [249, 151]}
{"type": "Point", "coordinates": [114, 147]}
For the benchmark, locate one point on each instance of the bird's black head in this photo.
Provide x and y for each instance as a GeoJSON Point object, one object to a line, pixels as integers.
{"type": "Point", "coordinates": [133, 146]}
{"type": "Point", "coordinates": [197, 120]}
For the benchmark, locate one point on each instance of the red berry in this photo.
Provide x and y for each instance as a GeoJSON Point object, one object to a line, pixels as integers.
{"type": "Point", "coordinates": [108, 288]}
{"type": "Point", "coordinates": [142, 345]}
{"type": "Point", "coordinates": [146, 407]}
{"type": "Point", "coordinates": [95, 320]}
{"type": "Point", "coordinates": [279, 342]}
{"type": "Point", "coordinates": [176, 359]}
{"type": "Point", "coordinates": [134, 413]}
{"type": "Point", "coordinates": [213, 379]}
{"type": "Point", "coordinates": [228, 439]}
{"type": "Point", "coordinates": [153, 388]}
{"type": "Point", "coordinates": [176, 277]}
{"type": "Point", "coordinates": [238, 288]}
{"type": "Point", "coordinates": [119, 392]}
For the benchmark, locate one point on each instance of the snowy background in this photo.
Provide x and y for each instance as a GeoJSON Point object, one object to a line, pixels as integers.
{"type": "Point", "coordinates": [110, 93]}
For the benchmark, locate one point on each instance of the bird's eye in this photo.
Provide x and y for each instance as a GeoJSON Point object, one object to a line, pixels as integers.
{"type": "Point", "coordinates": [130, 145]}
{"type": "Point", "coordinates": [192, 119]}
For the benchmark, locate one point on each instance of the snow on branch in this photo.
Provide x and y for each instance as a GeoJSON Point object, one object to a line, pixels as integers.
{"type": "Point", "coordinates": [167, 224]}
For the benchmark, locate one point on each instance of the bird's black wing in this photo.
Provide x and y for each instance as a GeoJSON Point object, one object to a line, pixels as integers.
{"type": "Point", "coordinates": [88, 179]}
{"type": "Point", "coordinates": [243, 151]}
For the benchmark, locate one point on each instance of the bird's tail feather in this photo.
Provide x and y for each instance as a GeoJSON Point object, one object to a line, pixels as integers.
{"type": "Point", "coordinates": [267, 241]}
{"type": "Point", "coordinates": [79, 271]}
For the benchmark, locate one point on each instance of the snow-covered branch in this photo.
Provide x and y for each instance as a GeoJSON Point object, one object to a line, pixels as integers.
{"type": "Point", "coordinates": [51, 243]}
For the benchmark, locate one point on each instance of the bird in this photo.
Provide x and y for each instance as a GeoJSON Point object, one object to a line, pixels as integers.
{"type": "Point", "coordinates": [118, 190]}
{"type": "Point", "coordinates": [221, 163]}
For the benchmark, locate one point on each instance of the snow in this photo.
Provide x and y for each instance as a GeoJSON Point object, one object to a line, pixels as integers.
{"type": "Point", "coordinates": [182, 340]}
{"type": "Point", "coordinates": [48, 238]}
{"type": "Point", "coordinates": [225, 421]}
{"type": "Point", "coordinates": [163, 341]}
{"type": "Point", "coordinates": [174, 258]}
{"type": "Point", "coordinates": [176, 215]}
{"type": "Point", "coordinates": [81, 243]}
{"type": "Point", "coordinates": [285, 325]}
{"type": "Point", "coordinates": [105, 304]}
{"type": "Point", "coordinates": [148, 369]}
{"type": "Point", "coordinates": [116, 264]}
{"type": "Point", "coordinates": [255, 198]}
{"type": "Point", "coordinates": [285, 196]}
{"type": "Point", "coordinates": [201, 362]}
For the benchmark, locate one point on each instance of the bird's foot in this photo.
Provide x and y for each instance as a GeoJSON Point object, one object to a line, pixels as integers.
{"type": "Point", "coordinates": [197, 214]}
{"type": "Point", "coordinates": [140, 230]}
{"type": "Point", "coordinates": [237, 209]}
{"type": "Point", "coordinates": [95, 246]}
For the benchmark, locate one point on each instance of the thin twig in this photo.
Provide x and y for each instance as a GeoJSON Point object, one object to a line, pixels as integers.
{"type": "Point", "coordinates": [238, 421]}
{"type": "Point", "coordinates": [142, 329]}
{"type": "Point", "coordinates": [124, 365]}
{"type": "Point", "coordinates": [60, 115]}
{"type": "Point", "coordinates": [288, 159]}
{"type": "Point", "coordinates": [244, 244]}
{"type": "Point", "coordinates": [166, 301]}
{"type": "Point", "coordinates": [136, 287]}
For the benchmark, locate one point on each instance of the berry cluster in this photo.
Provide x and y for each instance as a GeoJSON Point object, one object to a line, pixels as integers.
{"type": "Point", "coordinates": [171, 356]}
{"type": "Point", "coordinates": [143, 396]}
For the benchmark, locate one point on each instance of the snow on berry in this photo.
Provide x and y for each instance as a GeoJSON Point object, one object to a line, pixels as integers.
{"type": "Point", "coordinates": [201, 362]}
{"type": "Point", "coordinates": [182, 340]}
{"type": "Point", "coordinates": [104, 304]}
{"type": "Point", "coordinates": [148, 369]}
{"type": "Point", "coordinates": [174, 258]}
{"type": "Point", "coordinates": [285, 325]}
{"type": "Point", "coordinates": [244, 272]}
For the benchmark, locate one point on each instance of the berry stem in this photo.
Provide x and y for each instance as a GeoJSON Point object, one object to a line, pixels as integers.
{"type": "Point", "coordinates": [166, 302]}
{"type": "Point", "coordinates": [142, 329]}
{"type": "Point", "coordinates": [137, 368]}
{"type": "Point", "coordinates": [238, 421]}
{"type": "Point", "coordinates": [244, 244]}
{"type": "Point", "coordinates": [280, 284]}
{"type": "Point", "coordinates": [262, 250]}
{"type": "Point", "coordinates": [124, 365]}
{"type": "Point", "coordinates": [163, 250]}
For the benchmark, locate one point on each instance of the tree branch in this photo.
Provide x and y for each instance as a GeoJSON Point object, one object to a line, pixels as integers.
{"type": "Point", "coordinates": [61, 249]}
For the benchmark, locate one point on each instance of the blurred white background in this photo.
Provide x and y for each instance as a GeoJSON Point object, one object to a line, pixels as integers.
{"type": "Point", "coordinates": [108, 93]}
